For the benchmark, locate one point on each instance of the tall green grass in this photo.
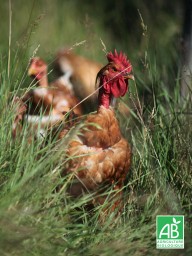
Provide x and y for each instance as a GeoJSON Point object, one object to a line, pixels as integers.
{"type": "Point", "coordinates": [37, 220]}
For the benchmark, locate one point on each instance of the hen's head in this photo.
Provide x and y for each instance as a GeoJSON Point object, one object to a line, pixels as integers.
{"type": "Point", "coordinates": [114, 76]}
{"type": "Point", "coordinates": [37, 68]}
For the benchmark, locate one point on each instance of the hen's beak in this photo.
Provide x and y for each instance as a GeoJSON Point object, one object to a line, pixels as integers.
{"type": "Point", "coordinates": [129, 76]}
{"type": "Point", "coordinates": [31, 72]}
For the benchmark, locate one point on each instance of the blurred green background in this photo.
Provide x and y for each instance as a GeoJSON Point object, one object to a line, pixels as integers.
{"type": "Point", "coordinates": [62, 23]}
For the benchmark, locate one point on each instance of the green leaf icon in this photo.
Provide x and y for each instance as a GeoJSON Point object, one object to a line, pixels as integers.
{"type": "Point", "coordinates": [176, 222]}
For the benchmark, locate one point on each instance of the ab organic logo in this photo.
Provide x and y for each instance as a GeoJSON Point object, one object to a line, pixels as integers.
{"type": "Point", "coordinates": [170, 232]}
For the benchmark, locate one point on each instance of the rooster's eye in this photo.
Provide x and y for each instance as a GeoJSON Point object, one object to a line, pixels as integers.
{"type": "Point", "coordinates": [114, 69]}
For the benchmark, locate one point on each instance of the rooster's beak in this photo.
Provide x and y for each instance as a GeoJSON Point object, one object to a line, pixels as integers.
{"type": "Point", "coordinates": [129, 76]}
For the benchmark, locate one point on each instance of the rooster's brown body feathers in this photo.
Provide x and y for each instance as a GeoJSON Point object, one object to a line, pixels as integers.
{"type": "Point", "coordinates": [104, 155]}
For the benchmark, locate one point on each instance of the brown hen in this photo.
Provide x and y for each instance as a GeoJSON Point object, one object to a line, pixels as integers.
{"type": "Point", "coordinates": [82, 73]}
{"type": "Point", "coordinates": [54, 99]}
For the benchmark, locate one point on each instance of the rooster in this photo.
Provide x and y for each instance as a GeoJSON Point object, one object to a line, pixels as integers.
{"type": "Point", "coordinates": [99, 155]}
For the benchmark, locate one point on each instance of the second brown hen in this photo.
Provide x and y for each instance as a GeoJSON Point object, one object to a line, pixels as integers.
{"type": "Point", "coordinates": [54, 99]}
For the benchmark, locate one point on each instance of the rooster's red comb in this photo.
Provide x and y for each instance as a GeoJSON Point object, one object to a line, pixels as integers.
{"type": "Point", "coordinates": [120, 58]}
